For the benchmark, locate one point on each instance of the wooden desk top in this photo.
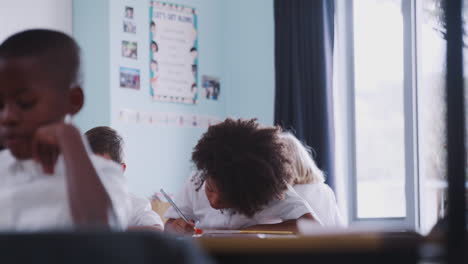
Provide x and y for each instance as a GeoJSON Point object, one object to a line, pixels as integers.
{"type": "Point", "coordinates": [319, 243]}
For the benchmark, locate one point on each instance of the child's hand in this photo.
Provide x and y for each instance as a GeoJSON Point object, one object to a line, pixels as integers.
{"type": "Point", "coordinates": [179, 226]}
{"type": "Point", "coordinates": [46, 146]}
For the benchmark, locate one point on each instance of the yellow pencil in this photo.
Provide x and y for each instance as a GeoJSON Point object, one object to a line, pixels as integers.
{"type": "Point", "coordinates": [266, 232]}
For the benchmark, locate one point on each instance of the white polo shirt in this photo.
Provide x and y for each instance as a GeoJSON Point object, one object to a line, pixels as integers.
{"type": "Point", "coordinates": [31, 200]}
{"type": "Point", "coordinates": [141, 213]}
{"type": "Point", "coordinates": [322, 200]}
{"type": "Point", "coordinates": [195, 206]}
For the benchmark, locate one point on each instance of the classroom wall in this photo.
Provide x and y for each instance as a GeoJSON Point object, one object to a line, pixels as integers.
{"type": "Point", "coordinates": [249, 62]}
{"type": "Point", "coordinates": [159, 157]}
{"type": "Point", "coordinates": [19, 15]}
{"type": "Point", "coordinates": [235, 40]}
{"type": "Point", "coordinates": [91, 30]}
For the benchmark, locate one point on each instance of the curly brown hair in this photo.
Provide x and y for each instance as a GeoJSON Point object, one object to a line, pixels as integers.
{"type": "Point", "coordinates": [247, 163]}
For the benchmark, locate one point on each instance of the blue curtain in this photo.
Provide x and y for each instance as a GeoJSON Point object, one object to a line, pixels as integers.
{"type": "Point", "coordinates": [303, 65]}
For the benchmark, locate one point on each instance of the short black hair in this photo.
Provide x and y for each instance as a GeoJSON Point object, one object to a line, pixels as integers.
{"type": "Point", "coordinates": [193, 49]}
{"type": "Point", "coordinates": [157, 47]}
{"type": "Point", "coordinates": [248, 164]}
{"type": "Point", "coordinates": [56, 50]}
{"type": "Point", "coordinates": [105, 140]}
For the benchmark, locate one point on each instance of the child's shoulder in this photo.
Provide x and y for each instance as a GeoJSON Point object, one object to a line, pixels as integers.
{"type": "Point", "coordinates": [291, 202]}
{"type": "Point", "coordinates": [105, 166]}
{"type": "Point", "coordinates": [6, 158]}
{"type": "Point", "coordinates": [96, 159]}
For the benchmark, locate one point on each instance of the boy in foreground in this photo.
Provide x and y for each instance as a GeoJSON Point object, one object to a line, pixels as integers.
{"type": "Point", "coordinates": [49, 179]}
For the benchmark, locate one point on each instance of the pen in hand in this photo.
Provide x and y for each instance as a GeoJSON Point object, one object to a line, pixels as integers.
{"type": "Point", "coordinates": [179, 212]}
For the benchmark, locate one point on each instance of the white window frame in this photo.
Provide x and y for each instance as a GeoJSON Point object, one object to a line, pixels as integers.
{"type": "Point", "coordinates": [345, 87]}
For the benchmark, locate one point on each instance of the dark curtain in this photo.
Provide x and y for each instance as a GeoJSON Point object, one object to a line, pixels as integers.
{"type": "Point", "coordinates": [303, 65]}
{"type": "Point", "coordinates": [457, 242]}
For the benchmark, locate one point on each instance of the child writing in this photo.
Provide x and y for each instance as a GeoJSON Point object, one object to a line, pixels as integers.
{"type": "Point", "coordinates": [48, 178]}
{"type": "Point", "coordinates": [309, 182]}
{"type": "Point", "coordinates": [241, 183]}
{"type": "Point", "coordinates": [105, 142]}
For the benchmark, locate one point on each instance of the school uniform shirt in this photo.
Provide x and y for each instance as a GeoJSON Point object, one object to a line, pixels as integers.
{"type": "Point", "coordinates": [31, 200]}
{"type": "Point", "coordinates": [195, 206]}
{"type": "Point", "coordinates": [141, 213]}
{"type": "Point", "coordinates": [322, 200]}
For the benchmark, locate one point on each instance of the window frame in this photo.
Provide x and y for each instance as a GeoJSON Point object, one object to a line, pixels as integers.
{"type": "Point", "coordinates": [345, 31]}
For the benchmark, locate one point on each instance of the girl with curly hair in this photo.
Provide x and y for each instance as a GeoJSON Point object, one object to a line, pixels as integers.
{"type": "Point", "coordinates": [242, 177]}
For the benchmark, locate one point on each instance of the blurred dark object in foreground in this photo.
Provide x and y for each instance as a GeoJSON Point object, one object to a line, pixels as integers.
{"type": "Point", "coordinates": [97, 247]}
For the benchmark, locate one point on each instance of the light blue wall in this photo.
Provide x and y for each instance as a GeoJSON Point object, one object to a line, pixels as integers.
{"type": "Point", "coordinates": [235, 40]}
{"type": "Point", "coordinates": [249, 62]}
{"type": "Point", "coordinates": [91, 30]}
{"type": "Point", "coordinates": [160, 156]}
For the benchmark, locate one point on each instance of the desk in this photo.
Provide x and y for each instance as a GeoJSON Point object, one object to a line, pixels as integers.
{"type": "Point", "coordinates": [347, 248]}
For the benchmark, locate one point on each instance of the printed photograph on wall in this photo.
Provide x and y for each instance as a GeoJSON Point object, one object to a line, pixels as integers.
{"type": "Point", "coordinates": [129, 26]}
{"type": "Point", "coordinates": [129, 12]}
{"type": "Point", "coordinates": [211, 87]}
{"type": "Point", "coordinates": [129, 49]}
{"type": "Point", "coordinates": [129, 78]}
{"type": "Point", "coordinates": [173, 53]}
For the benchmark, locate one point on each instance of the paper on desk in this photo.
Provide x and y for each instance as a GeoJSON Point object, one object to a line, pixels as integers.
{"type": "Point", "coordinates": [309, 227]}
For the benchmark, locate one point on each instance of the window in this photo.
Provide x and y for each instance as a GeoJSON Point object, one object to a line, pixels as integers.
{"type": "Point", "coordinates": [394, 133]}
{"type": "Point", "coordinates": [432, 111]}
{"type": "Point", "coordinates": [431, 114]}
{"type": "Point", "coordinates": [379, 112]}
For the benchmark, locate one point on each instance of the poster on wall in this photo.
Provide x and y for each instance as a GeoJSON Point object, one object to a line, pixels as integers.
{"type": "Point", "coordinates": [173, 53]}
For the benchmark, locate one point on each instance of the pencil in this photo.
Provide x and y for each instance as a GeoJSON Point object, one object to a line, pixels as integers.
{"type": "Point", "coordinates": [266, 232]}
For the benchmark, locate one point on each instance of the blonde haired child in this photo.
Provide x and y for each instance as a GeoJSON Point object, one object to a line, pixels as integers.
{"type": "Point", "coordinates": [309, 182]}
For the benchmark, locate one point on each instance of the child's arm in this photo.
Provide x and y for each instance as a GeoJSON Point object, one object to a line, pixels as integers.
{"type": "Point", "coordinates": [179, 226]}
{"type": "Point", "coordinates": [88, 199]}
{"type": "Point", "coordinates": [155, 228]}
{"type": "Point", "coordinates": [185, 201]}
{"type": "Point", "coordinates": [289, 225]}
{"type": "Point", "coordinates": [142, 216]}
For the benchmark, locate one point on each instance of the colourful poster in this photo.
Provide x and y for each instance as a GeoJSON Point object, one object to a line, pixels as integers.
{"type": "Point", "coordinates": [173, 53]}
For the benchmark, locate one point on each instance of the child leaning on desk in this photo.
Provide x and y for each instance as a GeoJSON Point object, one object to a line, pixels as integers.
{"type": "Point", "coordinates": [241, 182]}
{"type": "Point", "coordinates": [107, 143]}
{"type": "Point", "coordinates": [48, 177]}
{"type": "Point", "coordinates": [309, 182]}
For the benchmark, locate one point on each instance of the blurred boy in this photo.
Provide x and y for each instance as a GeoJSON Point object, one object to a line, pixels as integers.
{"type": "Point", "coordinates": [105, 142]}
{"type": "Point", "coordinates": [241, 183]}
{"type": "Point", "coordinates": [48, 178]}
